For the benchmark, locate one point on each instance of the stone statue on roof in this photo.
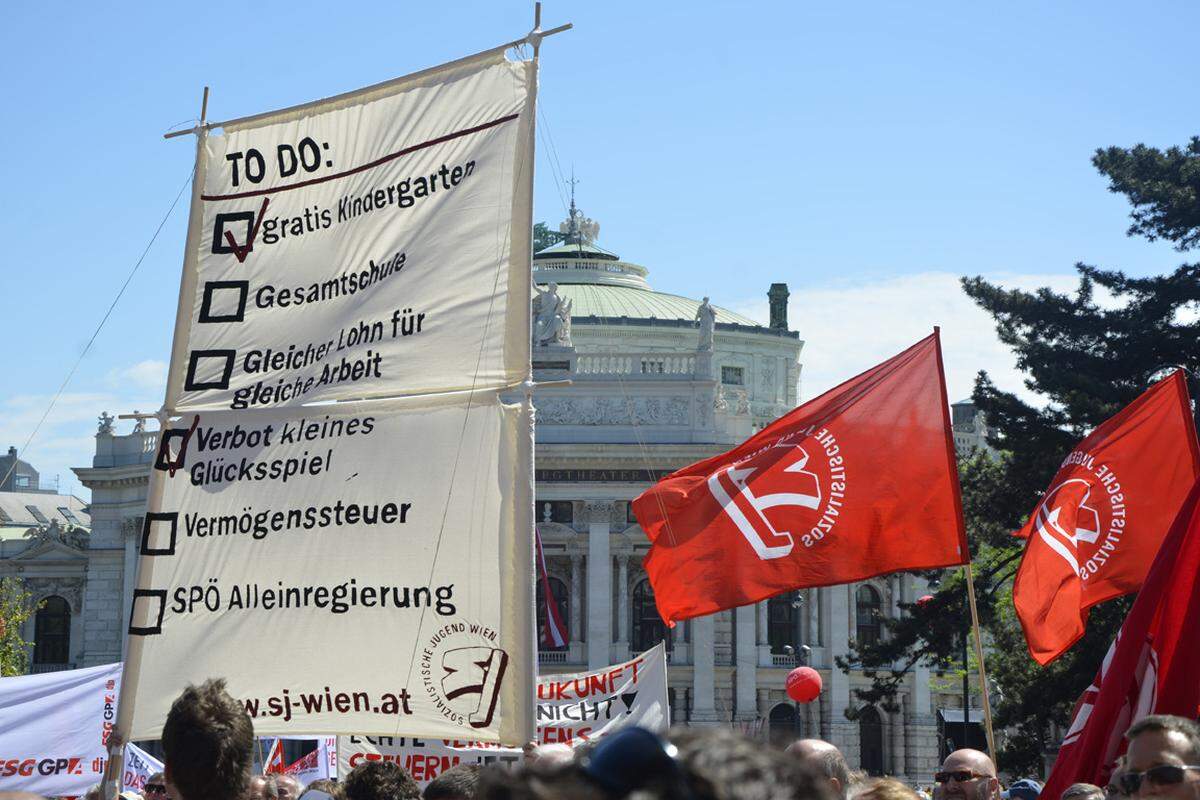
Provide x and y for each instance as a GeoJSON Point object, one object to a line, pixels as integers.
{"type": "Point", "coordinates": [105, 422]}
{"type": "Point", "coordinates": [707, 317]}
{"type": "Point", "coordinates": [551, 318]}
{"type": "Point", "coordinates": [140, 425]}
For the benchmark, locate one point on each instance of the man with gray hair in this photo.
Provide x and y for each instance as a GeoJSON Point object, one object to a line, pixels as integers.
{"type": "Point", "coordinates": [824, 759]}
{"type": "Point", "coordinates": [1163, 759]}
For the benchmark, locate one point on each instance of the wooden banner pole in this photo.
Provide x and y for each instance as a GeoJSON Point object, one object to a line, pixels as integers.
{"type": "Point", "coordinates": [983, 687]}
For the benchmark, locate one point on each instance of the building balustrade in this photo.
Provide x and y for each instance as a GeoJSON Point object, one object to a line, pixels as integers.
{"type": "Point", "coordinates": [640, 365]}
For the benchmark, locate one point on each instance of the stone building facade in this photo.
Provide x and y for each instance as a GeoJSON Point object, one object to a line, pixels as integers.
{"type": "Point", "coordinates": [657, 381]}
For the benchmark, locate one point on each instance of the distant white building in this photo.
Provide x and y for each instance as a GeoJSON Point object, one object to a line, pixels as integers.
{"type": "Point", "coordinates": [649, 393]}
{"type": "Point", "coordinates": [970, 428]}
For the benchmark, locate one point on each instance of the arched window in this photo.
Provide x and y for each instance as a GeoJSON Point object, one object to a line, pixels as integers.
{"type": "Point", "coordinates": [647, 629]}
{"type": "Point", "coordinates": [783, 619]}
{"type": "Point", "coordinates": [559, 590]}
{"type": "Point", "coordinates": [783, 724]}
{"type": "Point", "coordinates": [52, 632]}
{"type": "Point", "coordinates": [870, 738]}
{"type": "Point", "coordinates": [868, 606]}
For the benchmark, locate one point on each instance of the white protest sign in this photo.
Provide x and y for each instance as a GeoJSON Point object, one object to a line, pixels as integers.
{"type": "Point", "coordinates": [319, 763]}
{"type": "Point", "coordinates": [54, 729]}
{"type": "Point", "coordinates": [370, 244]}
{"type": "Point", "coordinates": [351, 567]}
{"type": "Point", "coordinates": [573, 709]}
{"type": "Point", "coordinates": [139, 766]}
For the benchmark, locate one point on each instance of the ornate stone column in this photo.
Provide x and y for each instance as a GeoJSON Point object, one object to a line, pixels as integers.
{"type": "Point", "coordinates": [839, 681]}
{"type": "Point", "coordinates": [599, 621]}
{"type": "Point", "coordinates": [764, 636]}
{"type": "Point", "coordinates": [703, 649]}
{"type": "Point", "coordinates": [575, 648]}
{"type": "Point", "coordinates": [622, 653]}
{"type": "Point", "coordinates": [746, 661]}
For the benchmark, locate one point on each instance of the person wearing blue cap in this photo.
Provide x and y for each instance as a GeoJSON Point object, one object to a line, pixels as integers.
{"type": "Point", "coordinates": [1023, 789]}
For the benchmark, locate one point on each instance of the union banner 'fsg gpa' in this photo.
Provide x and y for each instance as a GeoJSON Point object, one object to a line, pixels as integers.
{"type": "Point", "coordinates": [345, 567]}
{"type": "Point", "coordinates": [365, 245]}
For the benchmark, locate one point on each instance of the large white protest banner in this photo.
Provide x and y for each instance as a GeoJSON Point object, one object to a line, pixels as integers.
{"type": "Point", "coordinates": [54, 729]}
{"type": "Point", "coordinates": [363, 245]}
{"type": "Point", "coordinates": [139, 766]}
{"type": "Point", "coordinates": [347, 567]}
{"type": "Point", "coordinates": [573, 709]}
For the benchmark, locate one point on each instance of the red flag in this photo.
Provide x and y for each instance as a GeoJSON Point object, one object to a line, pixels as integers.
{"type": "Point", "coordinates": [274, 759]}
{"type": "Point", "coordinates": [304, 763]}
{"type": "Point", "coordinates": [554, 632]}
{"type": "Point", "coordinates": [1095, 532]}
{"type": "Point", "coordinates": [858, 482]}
{"type": "Point", "coordinates": [1152, 666]}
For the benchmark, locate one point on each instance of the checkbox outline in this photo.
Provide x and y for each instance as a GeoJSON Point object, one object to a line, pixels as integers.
{"type": "Point", "coordinates": [147, 526]}
{"type": "Point", "coordinates": [219, 244]}
{"type": "Point", "coordinates": [156, 628]}
{"type": "Point", "coordinates": [191, 384]}
{"type": "Point", "coordinates": [164, 461]}
{"type": "Point", "coordinates": [206, 303]}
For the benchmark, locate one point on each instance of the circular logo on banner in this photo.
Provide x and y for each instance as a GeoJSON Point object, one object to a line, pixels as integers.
{"type": "Point", "coordinates": [1083, 516]}
{"type": "Point", "coordinates": [800, 478]}
{"type": "Point", "coordinates": [462, 671]}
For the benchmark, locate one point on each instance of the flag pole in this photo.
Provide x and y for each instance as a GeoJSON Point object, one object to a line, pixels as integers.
{"type": "Point", "coordinates": [983, 687]}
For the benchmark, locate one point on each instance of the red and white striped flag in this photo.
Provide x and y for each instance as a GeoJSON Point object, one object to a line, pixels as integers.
{"type": "Point", "coordinates": [554, 632]}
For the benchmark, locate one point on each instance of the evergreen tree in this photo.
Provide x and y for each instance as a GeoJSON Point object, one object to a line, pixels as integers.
{"type": "Point", "coordinates": [543, 237]}
{"type": "Point", "coordinates": [1088, 353]}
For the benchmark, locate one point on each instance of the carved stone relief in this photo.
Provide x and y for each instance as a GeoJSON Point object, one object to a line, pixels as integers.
{"type": "Point", "coordinates": [70, 589]}
{"type": "Point", "coordinates": [613, 411]}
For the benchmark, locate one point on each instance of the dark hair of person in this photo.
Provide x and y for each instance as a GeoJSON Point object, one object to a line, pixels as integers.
{"type": "Point", "coordinates": [457, 783]}
{"type": "Point", "coordinates": [329, 787]}
{"type": "Point", "coordinates": [380, 780]}
{"type": "Point", "coordinates": [738, 767]}
{"type": "Point", "coordinates": [1167, 723]}
{"type": "Point", "coordinates": [208, 741]}
{"type": "Point", "coordinates": [1082, 791]}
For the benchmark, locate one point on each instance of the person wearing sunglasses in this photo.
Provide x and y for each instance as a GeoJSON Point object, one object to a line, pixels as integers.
{"type": "Point", "coordinates": [1163, 758]}
{"type": "Point", "coordinates": [156, 787]}
{"type": "Point", "coordinates": [967, 775]}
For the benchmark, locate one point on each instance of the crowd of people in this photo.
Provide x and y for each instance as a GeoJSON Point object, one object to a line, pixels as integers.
{"type": "Point", "coordinates": [208, 744]}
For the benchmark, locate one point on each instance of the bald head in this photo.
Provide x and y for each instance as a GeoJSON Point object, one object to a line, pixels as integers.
{"type": "Point", "coordinates": [977, 773]}
{"type": "Point", "coordinates": [824, 759]}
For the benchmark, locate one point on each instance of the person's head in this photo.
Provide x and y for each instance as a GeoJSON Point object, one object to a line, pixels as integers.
{"type": "Point", "coordinates": [207, 743]}
{"type": "Point", "coordinates": [1163, 758]}
{"type": "Point", "coordinates": [287, 787]}
{"type": "Point", "coordinates": [260, 787]}
{"type": "Point", "coordinates": [967, 775]}
{"type": "Point", "coordinates": [1082, 791]}
{"type": "Point", "coordinates": [329, 787]}
{"type": "Point", "coordinates": [380, 780]}
{"type": "Point", "coordinates": [740, 768]}
{"type": "Point", "coordinates": [824, 759]}
{"type": "Point", "coordinates": [457, 783]}
{"type": "Point", "coordinates": [885, 789]}
{"type": "Point", "coordinates": [1023, 789]}
{"type": "Point", "coordinates": [155, 787]}
{"type": "Point", "coordinates": [94, 793]}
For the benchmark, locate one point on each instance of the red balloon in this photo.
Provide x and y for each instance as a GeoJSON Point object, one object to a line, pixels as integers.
{"type": "Point", "coordinates": [804, 684]}
{"type": "Point", "coordinates": [923, 599]}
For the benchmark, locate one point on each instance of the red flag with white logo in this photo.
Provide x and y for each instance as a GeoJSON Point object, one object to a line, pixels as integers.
{"type": "Point", "coordinates": [273, 762]}
{"type": "Point", "coordinates": [855, 483]}
{"type": "Point", "coordinates": [1098, 527]}
{"type": "Point", "coordinates": [1152, 666]}
{"type": "Point", "coordinates": [554, 632]}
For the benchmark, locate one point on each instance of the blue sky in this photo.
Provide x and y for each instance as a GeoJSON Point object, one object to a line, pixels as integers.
{"type": "Point", "coordinates": [865, 153]}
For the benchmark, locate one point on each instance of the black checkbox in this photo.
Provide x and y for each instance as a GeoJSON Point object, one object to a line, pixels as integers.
{"type": "Point", "coordinates": [173, 440]}
{"type": "Point", "coordinates": [154, 604]}
{"type": "Point", "coordinates": [159, 528]}
{"type": "Point", "coordinates": [224, 301]}
{"type": "Point", "coordinates": [202, 376]}
{"type": "Point", "coordinates": [239, 224]}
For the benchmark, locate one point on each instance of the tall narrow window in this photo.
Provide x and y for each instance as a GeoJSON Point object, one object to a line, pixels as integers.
{"type": "Point", "coordinates": [868, 607]}
{"type": "Point", "coordinates": [782, 617]}
{"type": "Point", "coordinates": [783, 724]}
{"type": "Point", "coordinates": [870, 737]}
{"type": "Point", "coordinates": [648, 628]}
{"type": "Point", "coordinates": [52, 632]}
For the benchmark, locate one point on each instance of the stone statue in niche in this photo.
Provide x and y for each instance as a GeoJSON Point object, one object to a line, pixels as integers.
{"type": "Point", "coordinates": [707, 318]}
{"type": "Point", "coordinates": [551, 318]}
